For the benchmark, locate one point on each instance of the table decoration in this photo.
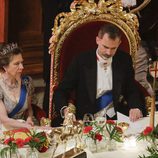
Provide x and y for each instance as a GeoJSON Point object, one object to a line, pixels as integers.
{"type": "Point", "coordinates": [64, 134]}
{"type": "Point", "coordinates": [80, 153]}
{"type": "Point", "coordinates": [32, 140]}
{"type": "Point", "coordinates": [37, 141]}
{"type": "Point", "coordinates": [124, 125]}
{"type": "Point", "coordinates": [114, 134]}
{"type": "Point", "coordinates": [153, 153]}
{"type": "Point", "coordinates": [150, 135]}
{"type": "Point", "coordinates": [9, 150]}
{"type": "Point", "coordinates": [103, 136]}
{"type": "Point", "coordinates": [94, 134]}
{"type": "Point", "coordinates": [11, 144]}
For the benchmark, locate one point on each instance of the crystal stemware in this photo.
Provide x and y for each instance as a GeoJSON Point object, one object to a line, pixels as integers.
{"type": "Point", "coordinates": [88, 119]}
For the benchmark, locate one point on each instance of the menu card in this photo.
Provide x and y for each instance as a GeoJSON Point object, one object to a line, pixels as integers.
{"type": "Point", "coordinates": [134, 127]}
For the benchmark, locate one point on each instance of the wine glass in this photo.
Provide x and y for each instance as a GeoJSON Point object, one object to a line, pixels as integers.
{"type": "Point", "coordinates": [88, 119]}
{"type": "Point", "coordinates": [100, 120]}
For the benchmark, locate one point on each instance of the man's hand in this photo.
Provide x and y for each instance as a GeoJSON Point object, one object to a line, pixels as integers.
{"type": "Point", "coordinates": [135, 114]}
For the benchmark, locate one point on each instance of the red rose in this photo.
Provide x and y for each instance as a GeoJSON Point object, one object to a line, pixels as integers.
{"type": "Point", "coordinates": [110, 122]}
{"type": "Point", "coordinates": [43, 134]}
{"type": "Point", "coordinates": [28, 139]}
{"type": "Point", "coordinates": [147, 130]}
{"type": "Point", "coordinates": [87, 129]}
{"type": "Point", "coordinates": [98, 136]}
{"type": "Point", "coordinates": [7, 141]}
{"type": "Point", "coordinates": [43, 149]}
{"type": "Point", "coordinates": [20, 142]}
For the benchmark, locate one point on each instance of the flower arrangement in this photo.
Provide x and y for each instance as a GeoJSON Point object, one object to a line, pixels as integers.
{"type": "Point", "coordinates": [37, 140]}
{"type": "Point", "coordinates": [17, 138]}
{"type": "Point", "coordinates": [152, 151]}
{"type": "Point", "coordinates": [108, 129]}
{"type": "Point", "coordinates": [104, 130]}
{"type": "Point", "coordinates": [11, 148]}
{"type": "Point", "coordinates": [114, 132]}
{"type": "Point", "coordinates": [94, 131]}
{"type": "Point", "coordinates": [151, 135]}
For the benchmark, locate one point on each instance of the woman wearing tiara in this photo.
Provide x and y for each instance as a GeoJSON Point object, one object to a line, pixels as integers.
{"type": "Point", "coordinates": [15, 90]}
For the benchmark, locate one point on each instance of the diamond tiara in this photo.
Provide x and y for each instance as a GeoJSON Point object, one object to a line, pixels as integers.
{"type": "Point", "coordinates": [8, 48]}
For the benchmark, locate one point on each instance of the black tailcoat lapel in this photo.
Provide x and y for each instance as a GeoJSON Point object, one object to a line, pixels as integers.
{"type": "Point", "coordinates": [91, 76]}
{"type": "Point", "coordinates": [117, 73]}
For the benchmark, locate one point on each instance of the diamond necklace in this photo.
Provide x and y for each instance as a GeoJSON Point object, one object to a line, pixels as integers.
{"type": "Point", "coordinates": [10, 85]}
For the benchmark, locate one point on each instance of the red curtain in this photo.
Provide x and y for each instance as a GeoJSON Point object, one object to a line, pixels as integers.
{"type": "Point", "coordinates": [3, 20]}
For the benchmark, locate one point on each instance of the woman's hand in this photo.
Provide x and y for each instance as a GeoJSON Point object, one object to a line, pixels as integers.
{"type": "Point", "coordinates": [29, 121]}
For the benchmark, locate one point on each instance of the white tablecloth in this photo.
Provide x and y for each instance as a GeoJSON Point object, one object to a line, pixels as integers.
{"type": "Point", "coordinates": [131, 152]}
{"type": "Point", "coordinates": [121, 152]}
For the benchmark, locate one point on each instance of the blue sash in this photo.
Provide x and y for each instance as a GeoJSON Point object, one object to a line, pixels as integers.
{"type": "Point", "coordinates": [22, 99]}
{"type": "Point", "coordinates": [104, 100]}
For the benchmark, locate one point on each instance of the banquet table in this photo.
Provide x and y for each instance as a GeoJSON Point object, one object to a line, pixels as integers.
{"type": "Point", "coordinates": [132, 152]}
{"type": "Point", "coordinates": [121, 151]}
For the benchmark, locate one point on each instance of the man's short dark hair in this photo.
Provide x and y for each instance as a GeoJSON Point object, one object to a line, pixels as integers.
{"type": "Point", "coordinates": [112, 30]}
